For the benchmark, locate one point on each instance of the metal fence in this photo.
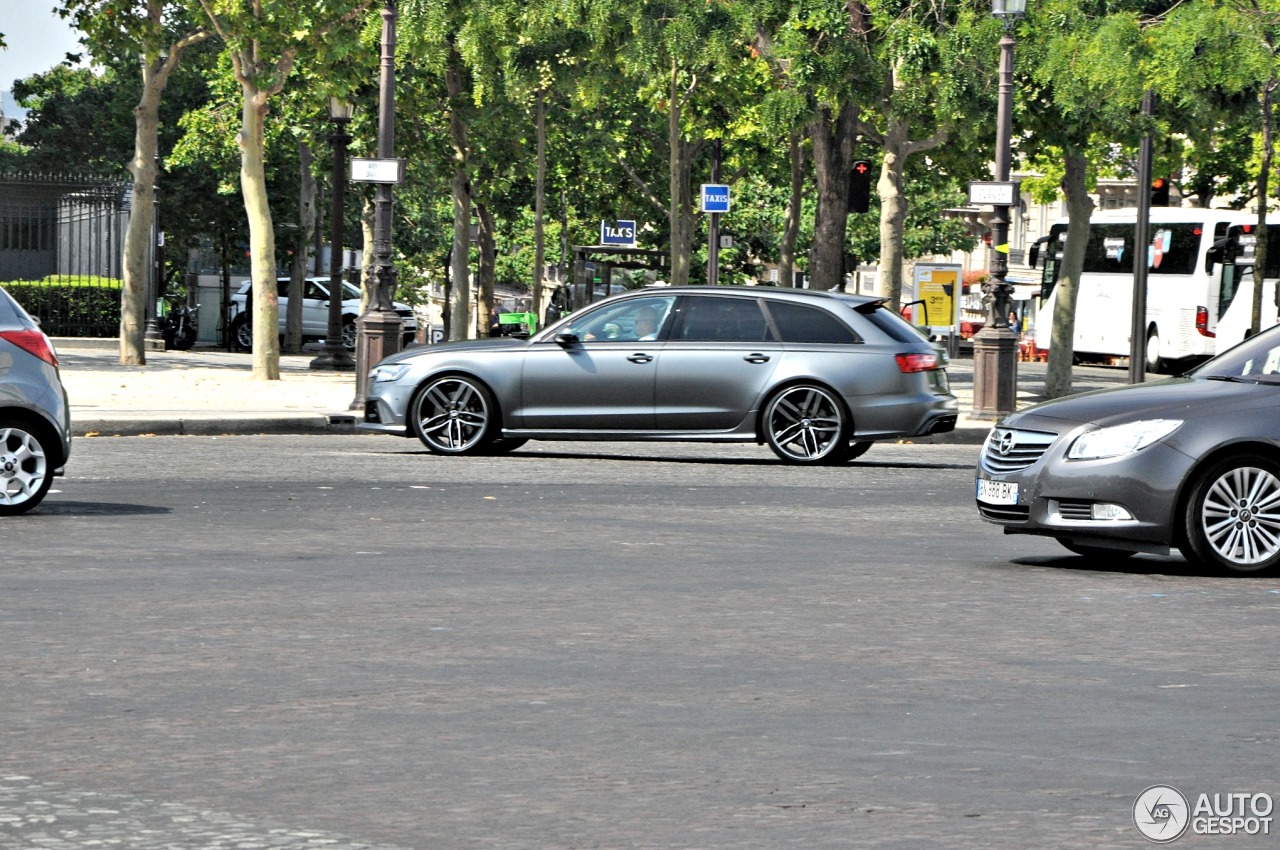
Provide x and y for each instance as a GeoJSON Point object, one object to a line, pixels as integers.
{"type": "Point", "coordinates": [62, 249]}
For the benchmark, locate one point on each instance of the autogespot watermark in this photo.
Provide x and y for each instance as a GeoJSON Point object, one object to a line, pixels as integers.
{"type": "Point", "coordinates": [1163, 814]}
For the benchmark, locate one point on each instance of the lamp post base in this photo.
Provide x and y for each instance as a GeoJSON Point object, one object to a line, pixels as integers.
{"type": "Point", "coordinates": [995, 373]}
{"type": "Point", "coordinates": [378, 335]}
{"type": "Point", "coordinates": [334, 358]}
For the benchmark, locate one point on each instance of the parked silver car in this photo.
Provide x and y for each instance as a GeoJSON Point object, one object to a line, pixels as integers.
{"type": "Point", "coordinates": [315, 312]}
{"type": "Point", "coordinates": [1191, 463]}
{"type": "Point", "coordinates": [818, 376]}
{"type": "Point", "coordinates": [35, 420]}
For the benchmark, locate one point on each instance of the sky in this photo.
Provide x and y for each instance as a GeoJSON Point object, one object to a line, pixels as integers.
{"type": "Point", "coordinates": [37, 40]}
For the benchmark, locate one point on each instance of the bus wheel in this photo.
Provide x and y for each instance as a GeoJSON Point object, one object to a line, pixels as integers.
{"type": "Point", "coordinates": [1154, 363]}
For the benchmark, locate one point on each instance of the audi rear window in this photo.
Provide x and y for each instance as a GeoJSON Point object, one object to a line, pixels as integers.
{"type": "Point", "coordinates": [891, 324]}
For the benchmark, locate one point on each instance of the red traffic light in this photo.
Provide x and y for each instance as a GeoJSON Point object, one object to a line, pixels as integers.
{"type": "Point", "coordinates": [860, 186]}
{"type": "Point", "coordinates": [1160, 192]}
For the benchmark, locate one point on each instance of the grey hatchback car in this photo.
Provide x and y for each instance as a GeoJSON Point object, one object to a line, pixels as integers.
{"type": "Point", "coordinates": [818, 376]}
{"type": "Point", "coordinates": [35, 420]}
{"type": "Point", "coordinates": [1191, 463]}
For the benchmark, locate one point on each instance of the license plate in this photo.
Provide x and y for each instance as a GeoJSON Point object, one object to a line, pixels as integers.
{"type": "Point", "coordinates": [997, 492]}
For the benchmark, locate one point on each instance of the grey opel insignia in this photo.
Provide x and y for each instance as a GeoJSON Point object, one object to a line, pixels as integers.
{"type": "Point", "coordinates": [818, 376]}
{"type": "Point", "coordinates": [1191, 463]}
{"type": "Point", "coordinates": [35, 420]}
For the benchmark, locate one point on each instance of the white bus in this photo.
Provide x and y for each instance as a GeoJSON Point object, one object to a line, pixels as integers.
{"type": "Point", "coordinates": [1233, 308]}
{"type": "Point", "coordinates": [1182, 289]}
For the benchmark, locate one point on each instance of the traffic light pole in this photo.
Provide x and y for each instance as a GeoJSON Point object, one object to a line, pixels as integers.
{"type": "Point", "coordinates": [1141, 239]}
{"type": "Point", "coordinates": [713, 230]}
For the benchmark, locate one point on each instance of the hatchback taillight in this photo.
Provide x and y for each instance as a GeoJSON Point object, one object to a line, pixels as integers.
{"type": "Point", "coordinates": [1202, 322]}
{"type": "Point", "coordinates": [33, 342]}
{"type": "Point", "coordinates": [917, 362]}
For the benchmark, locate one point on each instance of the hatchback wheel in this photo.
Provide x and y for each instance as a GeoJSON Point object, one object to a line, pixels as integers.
{"type": "Point", "coordinates": [25, 475]}
{"type": "Point", "coordinates": [1233, 515]}
{"type": "Point", "coordinates": [454, 415]}
{"type": "Point", "coordinates": [807, 424]}
{"type": "Point", "coordinates": [242, 333]}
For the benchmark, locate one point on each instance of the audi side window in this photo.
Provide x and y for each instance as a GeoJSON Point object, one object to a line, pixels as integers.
{"type": "Point", "coordinates": [723, 319]}
{"type": "Point", "coordinates": [800, 323]}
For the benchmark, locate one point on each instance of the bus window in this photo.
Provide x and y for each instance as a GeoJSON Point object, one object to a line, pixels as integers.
{"type": "Point", "coordinates": [1055, 245]}
{"type": "Point", "coordinates": [1232, 275]}
{"type": "Point", "coordinates": [1174, 248]}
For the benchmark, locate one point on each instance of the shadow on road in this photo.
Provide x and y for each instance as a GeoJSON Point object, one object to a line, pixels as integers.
{"type": "Point", "coordinates": [1138, 565]}
{"type": "Point", "coordinates": [706, 461]}
{"type": "Point", "coordinates": [62, 508]}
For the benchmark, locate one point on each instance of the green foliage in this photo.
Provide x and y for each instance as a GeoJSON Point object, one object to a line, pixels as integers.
{"type": "Point", "coordinates": [748, 74]}
{"type": "Point", "coordinates": [70, 305]}
{"type": "Point", "coordinates": [61, 104]}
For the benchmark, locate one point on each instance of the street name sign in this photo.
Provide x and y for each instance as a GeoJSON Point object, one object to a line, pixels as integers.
{"type": "Point", "coordinates": [994, 194]}
{"type": "Point", "coordinates": [377, 170]}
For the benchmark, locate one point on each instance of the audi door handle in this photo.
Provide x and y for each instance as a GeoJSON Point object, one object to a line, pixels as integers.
{"type": "Point", "coordinates": [641, 358]}
{"type": "Point", "coordinates": [757, 358]}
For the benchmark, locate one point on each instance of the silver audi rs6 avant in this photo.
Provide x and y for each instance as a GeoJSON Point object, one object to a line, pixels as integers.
{"type": "Point", "coordinates": [818, 376]}
{"type": "Point", "coordinates": [1191, 463]}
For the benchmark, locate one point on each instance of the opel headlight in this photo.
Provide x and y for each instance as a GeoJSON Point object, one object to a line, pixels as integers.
{"type": "Point", "coordinates": [381, 374]}
{"type": "Point", "coordinates": [1121, 439]}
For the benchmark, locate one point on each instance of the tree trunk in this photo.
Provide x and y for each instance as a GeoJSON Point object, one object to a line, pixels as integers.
{"type": "Point", "coordinates": [366, 254]}
{"type": "Point", "coordinates": [893, 213]}
{"type": "Point", "coordinates": [262, 240]}
{"type": "Point", "coordinates": [143, 167]}
{"type": "Point", "coordinates": [298, 268]}
{"type": "Point", "coordinates": [137, 238]}
{"type": "Point", "coordinates": [681, 210]}
{"type": "Point", "coordinates": [539, 205]}
{"type": "Point", "coordinates": [791, 218]}
{"type": "Point", "coordinates": [459, 296]}
{"type": "Point", "coordinates": [485, 270]}
{"type": "Point", "coordinates": [897, 146]}
{"type": "Point", "coordinates": [1063, 334]}
{"type": "Point", "coordinates": [832, 159]}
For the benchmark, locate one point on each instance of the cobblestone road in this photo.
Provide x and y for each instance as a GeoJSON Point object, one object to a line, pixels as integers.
{"type": "Point", "coordinates": [346, 642]}
{"type": "Point", "coordinates": [49, 816]}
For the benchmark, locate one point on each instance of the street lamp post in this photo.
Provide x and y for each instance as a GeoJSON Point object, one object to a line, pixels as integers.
{"type": "Point", "coordinates": [151, 336]}
{"type": "Point", "coordinates": [995, 347]}
{"type": "Point", "coordinates": [378, 330]}
{"type": "Point", "coordinates": [335, 357]}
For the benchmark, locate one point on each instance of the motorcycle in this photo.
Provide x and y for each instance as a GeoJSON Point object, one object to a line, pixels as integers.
{"type": "Point", "coordinates": [179, 326]}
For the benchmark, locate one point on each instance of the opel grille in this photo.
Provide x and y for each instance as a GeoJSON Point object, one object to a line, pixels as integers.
{"type": "Point", "coordinates": [1010, 450]}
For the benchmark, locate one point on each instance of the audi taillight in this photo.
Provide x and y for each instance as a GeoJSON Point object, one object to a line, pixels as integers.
{"type": "Point", "coordinates": [916, 362]}
{"type": "Point", "coordinates": [33, 342]}
{"type": "Point", "coordinates": [1202, 322]}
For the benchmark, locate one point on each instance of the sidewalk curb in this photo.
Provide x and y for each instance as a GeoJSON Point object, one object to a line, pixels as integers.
{"type": "Point", "coordinates": [213, 424]}
{"type": "Point", "coordinates": [216, 425]}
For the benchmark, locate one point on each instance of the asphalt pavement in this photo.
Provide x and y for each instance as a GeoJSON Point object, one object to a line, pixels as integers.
{"type": "Point", "coordinates": [212, 391]}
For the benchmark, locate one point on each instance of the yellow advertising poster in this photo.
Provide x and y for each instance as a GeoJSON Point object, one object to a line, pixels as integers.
{"type": "Point", "coordinates": [937, 296]}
